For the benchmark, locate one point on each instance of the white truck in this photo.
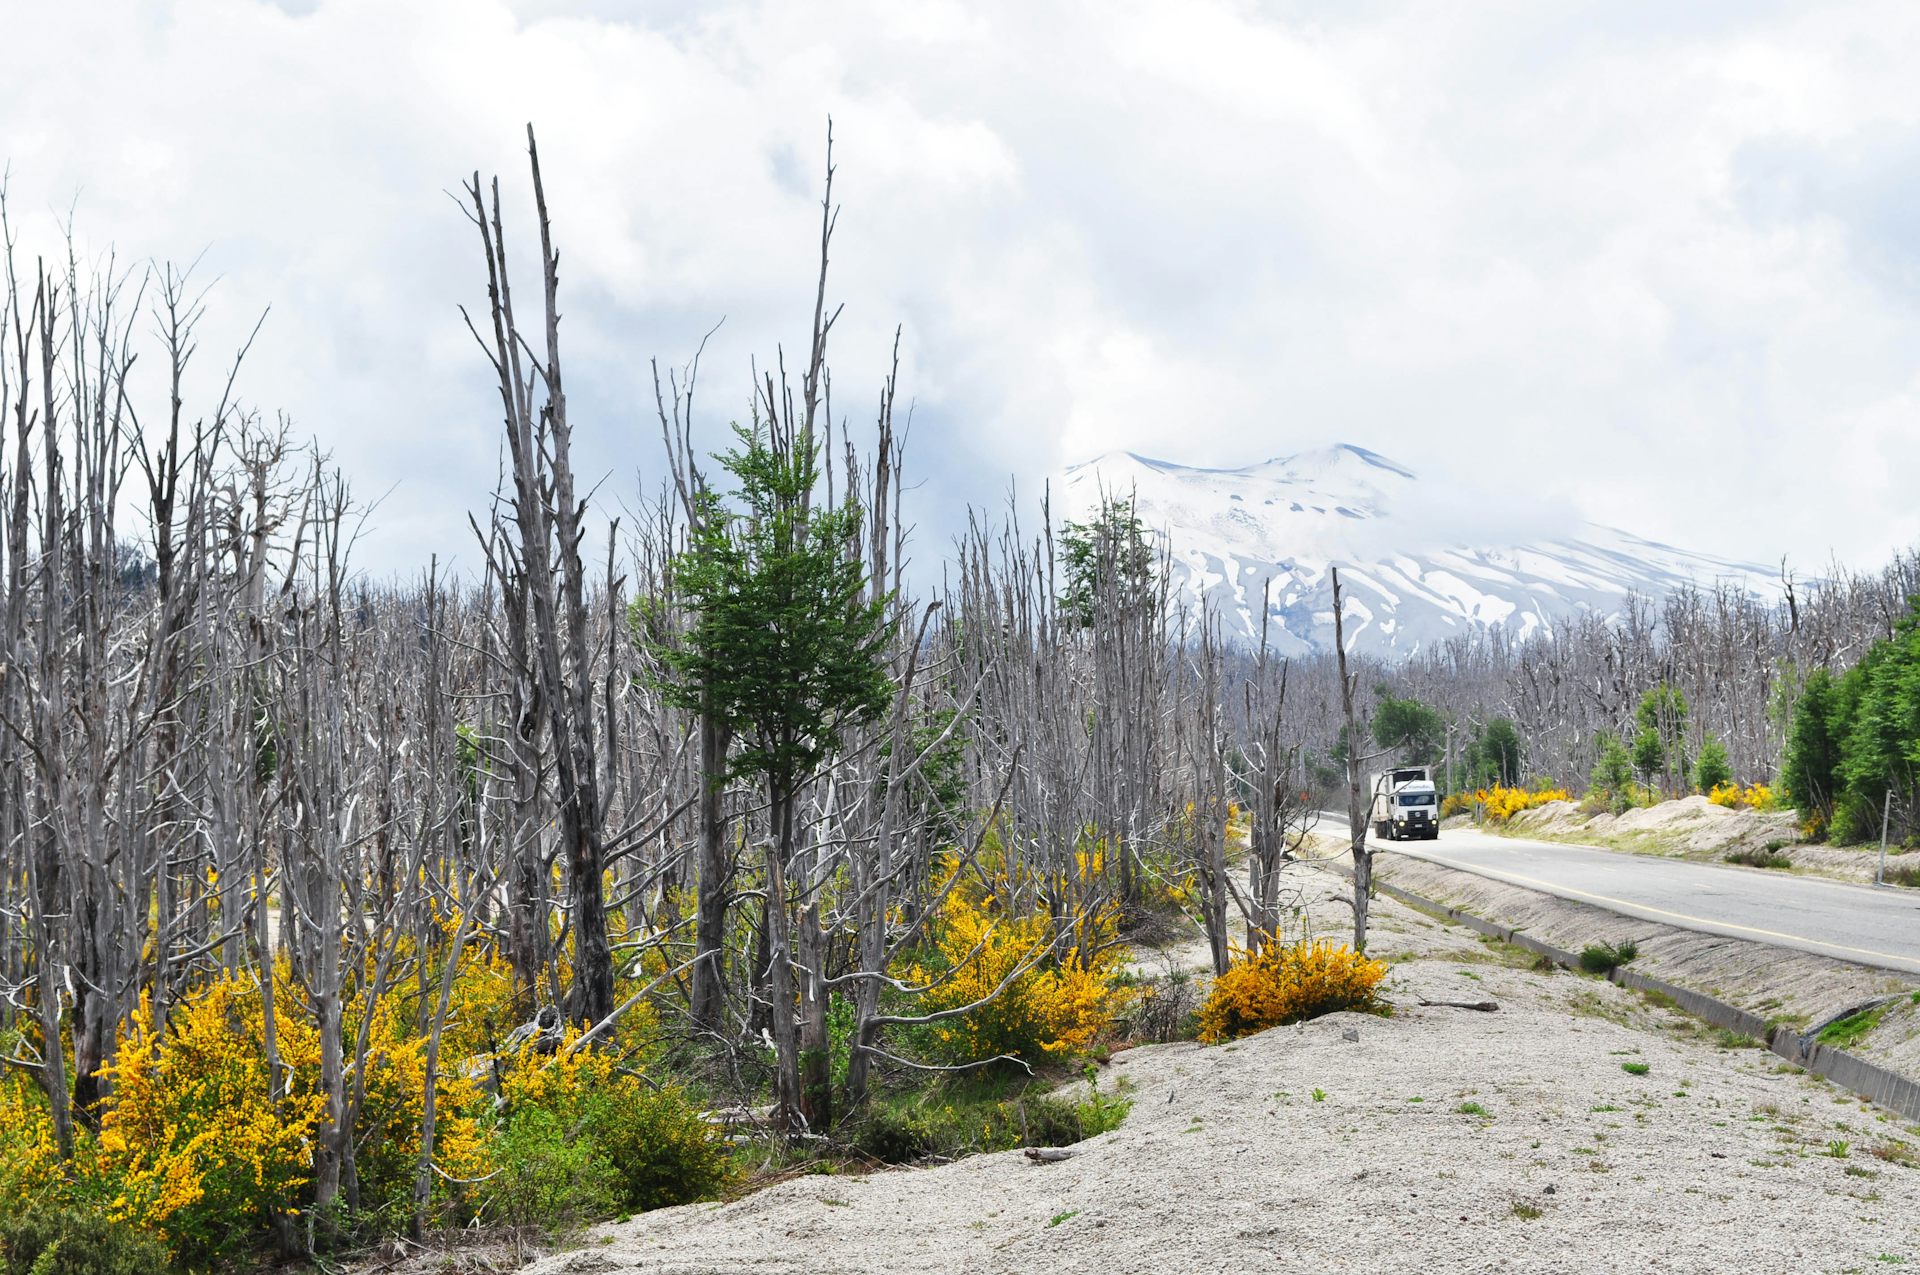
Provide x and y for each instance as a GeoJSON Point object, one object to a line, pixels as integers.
{"type": "Point", "coordinates": [1406, 806]}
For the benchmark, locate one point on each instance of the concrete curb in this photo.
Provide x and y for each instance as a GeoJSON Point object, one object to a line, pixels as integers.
{"type": "Point", "coordinates": [1891, 1090]}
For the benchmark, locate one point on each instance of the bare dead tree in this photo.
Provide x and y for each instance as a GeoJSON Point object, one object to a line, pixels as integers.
{"type": "Point", "coordinates": [547, 516]}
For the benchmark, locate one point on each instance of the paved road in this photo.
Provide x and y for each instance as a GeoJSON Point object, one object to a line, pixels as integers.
{"type": "Point", "coordinates": [1856, 923]}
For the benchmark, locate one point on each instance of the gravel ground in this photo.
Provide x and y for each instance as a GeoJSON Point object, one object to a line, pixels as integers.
{"type": "Point", "coordinates": [1342, 1144]}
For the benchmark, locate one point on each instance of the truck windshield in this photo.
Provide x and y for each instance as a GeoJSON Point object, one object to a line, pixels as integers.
{"type": "Point", "coordinates": [1416, 799]}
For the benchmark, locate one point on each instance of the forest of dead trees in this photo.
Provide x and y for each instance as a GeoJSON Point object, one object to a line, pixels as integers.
{"type": "Point", "coordinates": [723, 762]}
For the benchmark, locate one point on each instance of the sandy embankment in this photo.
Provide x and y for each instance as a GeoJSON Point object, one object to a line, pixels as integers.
{"type": "Point", "coordinates": [1300, 1149]}
{"type": "Point", "coordinates": [1695, 828]}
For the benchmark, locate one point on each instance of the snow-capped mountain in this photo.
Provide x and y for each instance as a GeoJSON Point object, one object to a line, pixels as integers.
{"type": "Point", "coordinates": [1417, 564]}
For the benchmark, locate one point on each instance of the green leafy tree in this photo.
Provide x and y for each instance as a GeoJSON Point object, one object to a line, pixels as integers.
{"type": "Point", "coordinates": [1812, 769]}
{"type": "Point", "coordinates": [1854, 750]}
{"type": "Point", "coordinates": [1712, 768]}
{"type": "Point", "coordinates": [1418, 732]}
{"type": "Point", "coordinates": [787, 651]}
{"type": "Point", "coordinates": [1330, 769]}
{"type": "Point", "coordinates": [1110, 564]}
{"type": "Point", "coordinates": [1659, 744]}
{"type": "Point", "coordinates": [1879, 702]}
{"type": "Point", "coordinates": [1494, 755]}
{"type": "Point", "coordinates": [1612, 778]}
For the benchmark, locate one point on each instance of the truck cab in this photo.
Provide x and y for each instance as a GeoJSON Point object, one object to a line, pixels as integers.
{"type": "Point", "coordinates": [1406, 805]}
{"type": "Point", "coordinates": [1415, 812]}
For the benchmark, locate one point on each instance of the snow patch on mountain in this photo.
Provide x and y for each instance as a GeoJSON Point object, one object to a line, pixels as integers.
{"type": "Point", "coordinates": [1419, 562]}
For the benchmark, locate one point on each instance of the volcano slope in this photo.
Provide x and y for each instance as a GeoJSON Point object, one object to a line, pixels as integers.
{"type": "Point", "coordinates": [1578, 1128]}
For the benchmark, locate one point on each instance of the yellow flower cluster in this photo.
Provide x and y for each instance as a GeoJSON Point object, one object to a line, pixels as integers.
{"type": "Point", "coordinates": [1286, 985]}
{"type": "Point", "coordinates": [1502, 803]}
{"type": "Point", "coordinates": [1053, 1008]}
{"type": "Point", "coordinates": [30, 1165]}
{"type": "Point", "coordinates": [1735, 797]}
{"type": "Point", "coordinates": [193, 1136]}
{"type": "Point", "coordinates": [195, 1143]}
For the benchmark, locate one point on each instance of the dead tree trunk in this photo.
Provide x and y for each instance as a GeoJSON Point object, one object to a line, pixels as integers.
{"type": "Point", "coordinates": [1356, 800]}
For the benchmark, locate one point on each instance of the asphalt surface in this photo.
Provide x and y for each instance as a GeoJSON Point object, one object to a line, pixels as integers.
{"type": "Point", "coordinates": [1859, 923]}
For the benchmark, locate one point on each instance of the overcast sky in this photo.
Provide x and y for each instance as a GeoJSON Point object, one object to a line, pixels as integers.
{"type": "Point", "coordinates": [1658, 263]}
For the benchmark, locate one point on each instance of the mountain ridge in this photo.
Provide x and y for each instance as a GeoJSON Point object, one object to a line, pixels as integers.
{"type": "Point", "coordinates": [1418, 563]}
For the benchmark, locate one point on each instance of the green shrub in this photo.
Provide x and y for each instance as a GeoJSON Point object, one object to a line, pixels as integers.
{"type": "Point", "coordinates": [76, 1241]}
{"type": "Point", "coordinates": [633, 1145]}
{"type": "Point", "coordinates": [663, 1151]}
{"type": "Point", "coordinates": [1711, 768]}
{"type": "Point", "coordinates": [1635, 1068]}
{"type": "Point", "coordinates": [1603, 958]}
{"type": "Point", "coordinates": [550, 1176]}
{"type": "Point", "coordinates": [1767, 858]}
{"type": "Point", "coordinates": [965, 1117]}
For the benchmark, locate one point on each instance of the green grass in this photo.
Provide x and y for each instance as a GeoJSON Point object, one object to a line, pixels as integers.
{"type": "Point", "coordinates": [1525, 1210]}
{"type": "Point", "coordinates": [1319, 1095]}
{"type": "Point", "coordinates": [1471, 1109]}
{"type": "Point", "coordinates": [1852, 1029]}
{"type": "Point", "coordinates": [1635, 1068]}
{"type": "Point", "coordinates": [1058, 1218]}
{"type": "Point", "coordinates": [1603, 958]}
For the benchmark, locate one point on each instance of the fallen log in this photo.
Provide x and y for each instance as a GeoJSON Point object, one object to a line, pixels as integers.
{"type": "Point", "coordinates": [1485, 1007]}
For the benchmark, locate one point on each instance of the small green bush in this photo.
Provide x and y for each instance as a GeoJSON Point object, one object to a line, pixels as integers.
{"type": "Point", "coordinates": [1767, 858]}
{"type": "Point", "coordinates": [1604, 958]}
{"type": "Point", "coordinates": [551, 1176]}
{"type": "Point", "coordinates": [661, 1149]}
{"type": "Point", "coordinates": [1635, 1068]}
{"type": "Point", "coordinates": [76, 1241]}
{"type": "Point", "coordinates": [960, 1120]}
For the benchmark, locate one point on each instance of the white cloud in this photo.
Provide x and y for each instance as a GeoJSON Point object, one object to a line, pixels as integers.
{"type": "Point", "coordinates": [1653, 263]}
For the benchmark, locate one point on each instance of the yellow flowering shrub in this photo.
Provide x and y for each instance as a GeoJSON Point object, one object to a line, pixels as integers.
{"type": "Point", "coordinates": [1052, 1009]}
{"type": "Point", "coordinates": [1286, 985]}
{"type": "Point", "coordinates": [1503, 803]}
{"type": "Point", "coordinates": [387, 1134]}
{"type": "Point", "coordinates": [193, 1137]}
{"type": "Point", "coordinates": [193, 1144]}
{"type": "Point", "coordinates": [30, 1165]}
{"type": "Point", "coordinates": [1735, 797]}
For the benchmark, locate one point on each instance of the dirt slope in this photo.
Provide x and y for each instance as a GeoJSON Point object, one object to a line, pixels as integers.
{"type": "Point", "coordinates": [1694, 828]}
